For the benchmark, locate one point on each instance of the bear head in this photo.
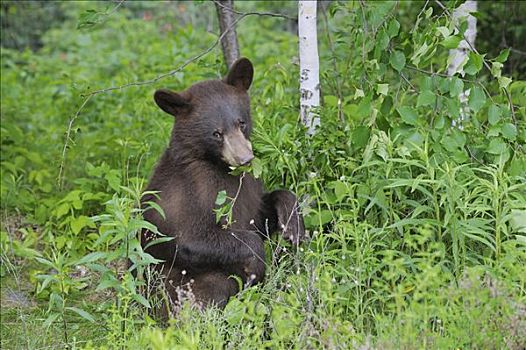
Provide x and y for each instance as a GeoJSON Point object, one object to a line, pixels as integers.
{"type": "Point", "coordinates": [213, 120]}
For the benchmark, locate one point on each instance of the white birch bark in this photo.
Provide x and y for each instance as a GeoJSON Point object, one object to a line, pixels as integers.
{"type": "Point", "coordinates": [459, 55]}
{"type": "Point", "coordinates": [309, 64]}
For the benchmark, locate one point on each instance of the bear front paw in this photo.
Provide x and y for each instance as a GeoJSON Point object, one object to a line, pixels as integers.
{"type": "Point", "coordinates": [293, 230]}
{"type": "Point", "coordinates": [254, 270]}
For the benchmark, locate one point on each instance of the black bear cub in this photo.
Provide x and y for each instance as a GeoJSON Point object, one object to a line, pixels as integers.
{"type": "Point", "coordinates": [211, 133]}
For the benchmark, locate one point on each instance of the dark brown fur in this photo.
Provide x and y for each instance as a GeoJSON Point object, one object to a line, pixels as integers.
{"type": "Point", "coordinates": [203, 255]}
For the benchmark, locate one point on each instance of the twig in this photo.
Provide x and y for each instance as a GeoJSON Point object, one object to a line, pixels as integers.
{"type": "Point", "coordinates": [115, 8]}
{"type": "Point", "coordinates": [68, 138]}
{"type": "Point", "coordinates": [508, 95]}
{"type": "Point", "coordinates": [407, 81]}
{"type": "Point", "coordinates": [270, 14]}
{"type": "Point", "coordinates": [447, 76]}
{"type": "Point", "coordinates": [522, 53]}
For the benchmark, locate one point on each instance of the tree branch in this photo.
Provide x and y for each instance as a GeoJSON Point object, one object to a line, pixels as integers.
{"type": "Point", "coordinates": [270, 14]}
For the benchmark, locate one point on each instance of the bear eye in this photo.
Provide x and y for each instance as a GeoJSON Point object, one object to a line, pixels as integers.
{"type": "Point", "coordinates": [217, 134]}
{"type": "Point", "coordinates": [242, 124]}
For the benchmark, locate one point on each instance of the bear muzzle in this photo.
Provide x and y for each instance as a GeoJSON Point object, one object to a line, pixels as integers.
{"type": "Point", "coordinates": [237, 150]}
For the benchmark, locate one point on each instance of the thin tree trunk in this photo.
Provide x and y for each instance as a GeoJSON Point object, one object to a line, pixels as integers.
{"type": "Point", "coordinates": [229, 43]}
{"type": "Point", "coordinates": [460, 54]}
{"type": "Point", "coordinates": [309, 64]}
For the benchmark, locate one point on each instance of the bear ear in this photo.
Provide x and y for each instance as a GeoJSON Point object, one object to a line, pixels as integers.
{"type": "Point", "coordinates": [171, 102]}
{"type": "Point", "coordinates": [240, 74]}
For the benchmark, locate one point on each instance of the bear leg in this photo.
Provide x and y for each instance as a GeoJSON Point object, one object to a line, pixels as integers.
{"type": "Point", "coordinates": [282, 212]}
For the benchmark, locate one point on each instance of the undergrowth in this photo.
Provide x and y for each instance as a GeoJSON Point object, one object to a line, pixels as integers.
{"type": "Point", "coordinates": [416, 227]}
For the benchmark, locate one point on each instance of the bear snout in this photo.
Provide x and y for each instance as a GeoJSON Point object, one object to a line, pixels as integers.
{"type": "Point", "coordinates": [246, 158]}
{"type": "Point", "coordinates": [237, 150]}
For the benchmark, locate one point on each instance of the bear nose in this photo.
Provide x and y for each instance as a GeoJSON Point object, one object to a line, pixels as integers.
{"type": "Point", "coordinates": [246, 158]}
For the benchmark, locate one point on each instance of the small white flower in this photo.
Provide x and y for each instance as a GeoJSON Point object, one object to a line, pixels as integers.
{"type": "Point", "coordinates": [253, 276]}
{"type": "Point", "coordinates": [251, 221]}
{"type": "Point", "coordinates": [301, 249]}
{"type": "Point", "coordinates": [183, 272]}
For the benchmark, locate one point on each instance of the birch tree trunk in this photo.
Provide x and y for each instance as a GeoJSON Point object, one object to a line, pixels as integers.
{"type": "Point", "coordinates": [229, 43]}
{"type": "Point", "coordinates": [309, 64]}
{"type": "Point", "coordinates": [459, 55]}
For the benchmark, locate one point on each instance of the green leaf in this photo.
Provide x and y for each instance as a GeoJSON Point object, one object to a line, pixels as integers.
{"type": "Point", "coordinates": [494, 114]}
{"type": "Point", "coordinates": [382, 40]}
{"type": "Point", "coordinates": [360, 136]}
{"type": "Point", "coordinates": [504, 82]}
{"type": "Point", "coordinates": [451, 42]}
{"type": "Point", "coordinates": [221, 197]}
{"type": "Point", "coordinates": [393, 28]}
{"type": "Point", "coordinates": [46, 280]}
{"type": "Point", "coordinates": [90, 18]}
{"type": "Point", "coordinates": [453, 107]}
{"type": "Point", "coordinates": [257, 168]}
{"type": "Point", "coordinates": [426, 98]}
{"type": "Point", "coordinates": [503, 56]}
{"type": "Point", "coordinates": [358, 93]}
{"type": "Point", "coordinates": [91, 257]}
{"type": "Point", "coordinates": [141, 300]}
{"type": "Point", "coordinates": [340, 190]}
{"type": "Point", "coordinates": [397, 60]}
{"type": "Point", "coordinates": [421, 51]}
{"type": "Point", "coordinates": [51, 318]}
{"type": "Point", "coordinates": [509, 131]}
{"type": "Point", "coordinates": [158, 241]}
{"type": "Point", "coordinates": [81, 313]}
{"type": "Point", "coordinates": [45, 262]}
{"type": "Point", "coordinates": [382, 89]}
{"type": "Point", "coordinates": [440, 122]}
{"type": "Point", "coordinates": [330, 100]}
{"type": "Point", "coordinates": [153, 205]}
{"type": "Point", "coordinates": [474, 64]}
{"type": "Point", "coordinates": [79, 223]}
{"type": "Point", "coordinates": [496, 146]}
{"type": "Point", "coordinates": [325, 216]}
{"type": "Point", "coordinates": [114, 179]}
{"type": "Point", "coordinates": [444, 31]}
{"type": "Point", "coordinates": [477, 98]}
{"type": "Point", "coordinates": [456, 86]}
{"type": "Point", "coordinates": [62, 210]}
{"type": "Point", "coordinates": [496, 69]}
{"type": "Point", "coordinates": [408, 115]}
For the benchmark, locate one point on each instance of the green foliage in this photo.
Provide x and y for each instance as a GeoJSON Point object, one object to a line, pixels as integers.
{"type": "Point", "coordinates": [414, 197]}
